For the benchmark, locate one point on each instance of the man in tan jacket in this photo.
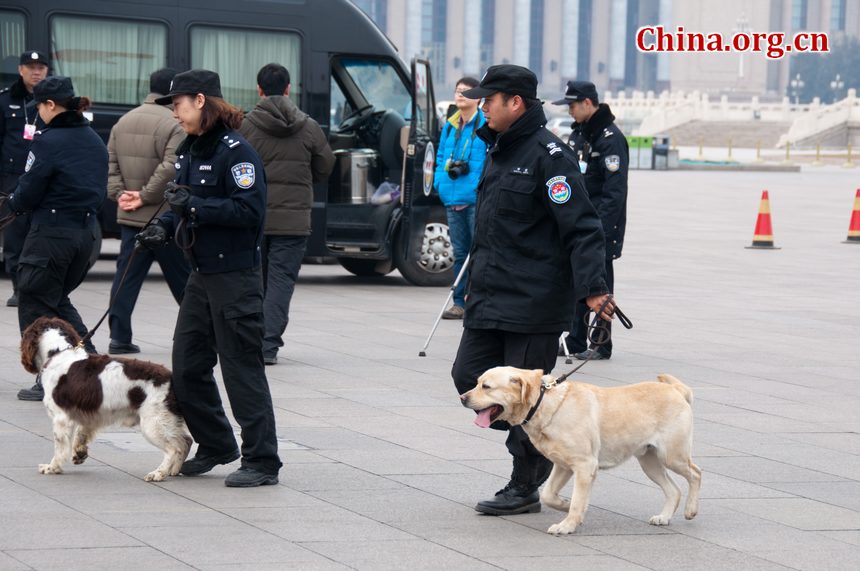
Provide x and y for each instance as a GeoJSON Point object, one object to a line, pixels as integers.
{"type": "Point", "coordinates": [142, 153]}
{"type": "Point", "coordinates": [296, 155]}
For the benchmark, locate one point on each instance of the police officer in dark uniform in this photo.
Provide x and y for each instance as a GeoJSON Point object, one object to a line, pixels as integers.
{"type": "Point", "coordinates": [603, 156]}
{"type": "Point", "coordinates": [537, 250]}
{"type": "Point", "coordinates": [63, 186]}
{"type": "Point", "coordinates": [19, 122]}
{"type": "Point", "coordinates": [217, 217]}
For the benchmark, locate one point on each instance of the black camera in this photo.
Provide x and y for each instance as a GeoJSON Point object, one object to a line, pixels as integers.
{"type": "Point", "coordinates": [457, 169]}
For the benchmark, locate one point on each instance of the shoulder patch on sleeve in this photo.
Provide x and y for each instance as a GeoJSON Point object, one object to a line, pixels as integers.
{"type": "Point", "coordinates": [612, 162]}
{"type": "Point", "coordinates": [243, 174]}
{"type": "Point", "coordinates": [558, 189]}
{"type": "Point", "coordinates": [30, 158]}
{"type": "Point", "coordinates": [607, 133]}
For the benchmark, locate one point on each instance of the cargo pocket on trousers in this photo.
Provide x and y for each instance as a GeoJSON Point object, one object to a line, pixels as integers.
{"type": "Point", "coordinates": [244, 323]}
{"type": "Point", "coordinates": [33, 274]}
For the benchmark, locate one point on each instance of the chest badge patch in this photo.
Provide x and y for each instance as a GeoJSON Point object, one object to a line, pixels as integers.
{"type": "Point", "coordinates": [558, 189]}
{"type": "Point", "coordinates": [30, 159]}
{"type": "Point", "coordinates": [613, 162]}
{"type": "Point", "coordinates": [243, 174]}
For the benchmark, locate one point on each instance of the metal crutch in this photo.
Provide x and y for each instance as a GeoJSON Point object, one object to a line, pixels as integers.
{"type": "Point", "coordinates": [422, 352]}
{"type": "Point", "coordinates": [561, 342]}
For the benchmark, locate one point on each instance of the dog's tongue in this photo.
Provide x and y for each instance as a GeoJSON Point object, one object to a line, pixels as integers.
{"type": "Point", "coordinates": [484, 418]}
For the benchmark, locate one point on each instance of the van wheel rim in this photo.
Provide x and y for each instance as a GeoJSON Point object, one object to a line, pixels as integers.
{"type": "Point", "coordinates": [437, 252]}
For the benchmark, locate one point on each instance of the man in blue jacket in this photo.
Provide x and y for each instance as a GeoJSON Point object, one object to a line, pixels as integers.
{"type": "Point", "coordinates": [459, 163]}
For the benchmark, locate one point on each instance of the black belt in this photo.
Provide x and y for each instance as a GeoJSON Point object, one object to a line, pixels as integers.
{"type": "Point", "coordinates": [63, 218]}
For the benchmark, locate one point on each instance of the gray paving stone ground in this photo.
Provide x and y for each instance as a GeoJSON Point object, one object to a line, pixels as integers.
{"type": "Point", "coordinates": [383, 466]}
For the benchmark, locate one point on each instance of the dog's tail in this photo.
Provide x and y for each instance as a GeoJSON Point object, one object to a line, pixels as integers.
{"type": "Point", "coordinates": [686, 391]}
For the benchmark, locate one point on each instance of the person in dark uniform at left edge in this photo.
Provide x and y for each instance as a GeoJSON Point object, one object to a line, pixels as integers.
{"type": "Point", "coordinates": [19, 122]}
{"type": "Point", "coordinates": [217, 216]}
{"type": "Point", "coordinates": [63, 186]}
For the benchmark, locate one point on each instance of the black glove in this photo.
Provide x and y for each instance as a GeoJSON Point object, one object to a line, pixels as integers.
{"type": "Point", "coordinates": [178, 199]}
{"type": "Point", "coordinates": [153, 236]}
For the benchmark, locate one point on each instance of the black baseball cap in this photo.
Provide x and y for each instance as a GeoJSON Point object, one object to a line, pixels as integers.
{"type": "Point", "coordinates": [56, 88]}
{"type": "Point", "coordinates": [33, 56]}
{"type": "Point", "coordinates": [192, 82]}
{"type": "Point", "coordinates": [506, 78]}
{"type": "Point", "coordinates": [577, 91]}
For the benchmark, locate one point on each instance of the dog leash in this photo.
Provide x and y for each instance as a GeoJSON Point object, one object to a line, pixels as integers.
{"type": "Point", "coordinates": [137, 246]}
{"type": "Point", "coordinates": [598, 335]}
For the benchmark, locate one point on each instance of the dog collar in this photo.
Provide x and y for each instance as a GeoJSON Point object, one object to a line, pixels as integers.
{"type": "Point", "coordinates": [544, 386]}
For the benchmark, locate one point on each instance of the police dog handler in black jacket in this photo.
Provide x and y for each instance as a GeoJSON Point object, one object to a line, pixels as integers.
{"type": "Point", "coordinates": [538, 249]}
{"type": "Point", "coordinates": [217, 216]}
{"type": "Point", "coordinates": [63, 186]}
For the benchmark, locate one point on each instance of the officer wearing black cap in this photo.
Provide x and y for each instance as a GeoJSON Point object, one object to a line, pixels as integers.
{"type": "Point", "coordinates": [63, 186]}
{"type": "Point", "coordinates": [537, 250]}
{"type": "Point", "coordinates": [216, 216]}
{"type": "Point", "coordinates": [19, 121]}
{"type": "Point", "coordinates": [602, 152]}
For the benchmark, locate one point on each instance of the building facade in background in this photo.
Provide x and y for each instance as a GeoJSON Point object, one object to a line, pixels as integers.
{"type": "Point", "coordinates": [596, 39]}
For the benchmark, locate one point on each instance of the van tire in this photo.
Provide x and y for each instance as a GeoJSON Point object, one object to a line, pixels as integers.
{"type": "Point", "coordinates": [365, 268]}
{"type": "Point", "coordinates": [417, 263]}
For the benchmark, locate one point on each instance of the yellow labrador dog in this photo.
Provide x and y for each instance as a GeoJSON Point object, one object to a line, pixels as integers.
{"type": "Point", "coordinates": [582, 427]}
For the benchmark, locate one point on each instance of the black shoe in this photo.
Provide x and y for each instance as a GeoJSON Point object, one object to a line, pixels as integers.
{"type": "Point", "coordinates": [117, 348]}
{"type": "Point", "coordinates": [515, 498]}
{"type": "Point", "coordinates": [34, 393]}
{"type": "Point", "coordinates": [270, 360]}
{"type": "Point", "coordinates": [90, 348]}
{"type": "Point", "coordinates": [249, 478]}
{"type": "Point", "coordinates": [201, 464]}
{"type": "Point", "coordinates": [12, 301]}
{"type": "Point", "coordinates": [592, 354]}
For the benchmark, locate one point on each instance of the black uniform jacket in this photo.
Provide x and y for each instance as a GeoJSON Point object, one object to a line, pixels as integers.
{"type": "Point", "coordinates": [603, 147]}
{"type": "Point", "coordinates": [538, 245]}
{"type": "Point", "coordinates": [224, 220]}
{"type": "Point", "coordinates": [65, 174]}
{"type": "Point", "coordinates": [16, 110]}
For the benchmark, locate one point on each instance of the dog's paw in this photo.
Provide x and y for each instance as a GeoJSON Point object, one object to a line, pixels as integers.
{"type": "Point", "coordinates": [659, 520]}
{"type": "Point", "coordinates": [563, 527]}
{"type": "Point", "coordinates": [154, 476]}
{"type": "Point", "coordinates": [690, 514]}
{"type": "Point", "coordinates": [49, 469]}
{"type": "Point", "coordinates": [80, 456]}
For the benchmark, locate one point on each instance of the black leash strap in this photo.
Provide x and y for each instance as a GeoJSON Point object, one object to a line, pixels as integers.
{"type": "Point", "coordinates": [598, 335]}
{"type": "Point", "coordinates": [137, 246]}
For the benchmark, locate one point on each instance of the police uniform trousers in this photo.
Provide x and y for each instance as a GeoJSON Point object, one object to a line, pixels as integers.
{"type": "Point", "coordinates": [54, 261]}
{"type": "Point", "coordinates": [14, 234]}
{"type": "Point", "coordinates": [173, 265]}
{"type": "Point", "coordinates": [577, 340]}
{"type": "Point", "coordinates": [482, 349]}
{"type": "Point", "coordinates": [221, 318]}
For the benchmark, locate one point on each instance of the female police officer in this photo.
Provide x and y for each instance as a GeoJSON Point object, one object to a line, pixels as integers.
{"type": "Point", "coordinates": [63, 185]}
{"type": "Point", "coordinates": [217, 217]}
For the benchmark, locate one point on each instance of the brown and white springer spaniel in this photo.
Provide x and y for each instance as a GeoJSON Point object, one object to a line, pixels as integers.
{"type": "Point", "coordinates": [85, 393]}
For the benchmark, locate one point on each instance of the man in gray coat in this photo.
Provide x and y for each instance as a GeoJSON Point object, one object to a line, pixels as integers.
{"type": "Point", "coordinates": [141, 154]}
{"type": "Point", "coordinates": [296, 155]}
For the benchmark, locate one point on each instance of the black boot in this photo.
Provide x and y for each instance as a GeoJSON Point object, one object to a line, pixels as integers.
{"type": "Point", "coordinates": [34, 393]}
{"type": "Point", "coordinates": [521, 493]}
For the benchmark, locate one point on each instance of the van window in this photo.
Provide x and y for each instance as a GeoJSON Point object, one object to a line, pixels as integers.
{"type": "Point", "coordinates": [237, 56]}
{"type": "Point", "coordinates": [108, 60]}
{"type": "Point", "coordinates": [380, 84]}
{"type": "Point", "coordinates": [12, 44]}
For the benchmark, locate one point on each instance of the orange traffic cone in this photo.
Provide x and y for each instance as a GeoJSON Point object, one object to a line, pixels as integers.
{"type": "Point", "coordinates": [763, 235]}
{"type": "Point", "coordinates": [854, 225]}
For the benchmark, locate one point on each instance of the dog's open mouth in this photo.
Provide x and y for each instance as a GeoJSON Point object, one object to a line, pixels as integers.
{"type": "Point", "coordinates": [486, 417]}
